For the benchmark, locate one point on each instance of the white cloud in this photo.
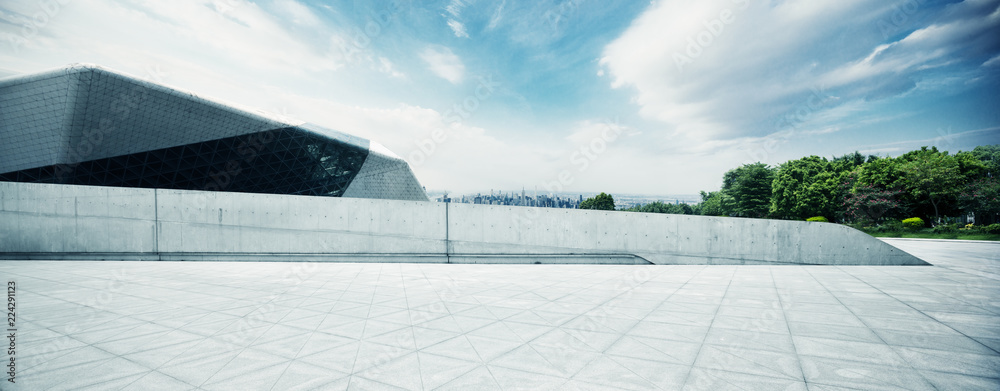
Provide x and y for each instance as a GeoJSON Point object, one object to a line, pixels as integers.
{"type": "Point", "coordinates": [385, 66]}
{"type": "Point", "coordinates": [721, 69]}
{"type": "Point", "coordinates": [946, 140]}
{"type": "Point", "coordinates": [468, 158]}
{"type": "Point", "coordinates": [497, 15]}
{"type": "Point", "coordinates": [109, 32]}
{"type": "Point", "coordinates": [587, 131]}
{"type": "Point", "coordinates": [455, 7]}
{"type": "Point", "coordinates": [279, 58]}
{"type": "Point", "coordinates": [444, 63]}
{"type": "Point", "coordinates": [297, 12]}
{"type": "Point", "coordinates": [993, 61]}
{"type": "Point", "coordinates": [458, 28]}
{"type": "Point", "coordinates": [817, 132]}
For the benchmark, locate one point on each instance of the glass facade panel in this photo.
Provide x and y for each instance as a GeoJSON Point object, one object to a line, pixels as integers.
{"type": "Point", "coordinates": [280, 161]}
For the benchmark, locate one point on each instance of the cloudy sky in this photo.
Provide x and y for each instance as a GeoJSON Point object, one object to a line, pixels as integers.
{"type": "Point", "coordinates": [656, 97]}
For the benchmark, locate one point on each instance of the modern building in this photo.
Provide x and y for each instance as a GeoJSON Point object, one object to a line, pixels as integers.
{"type": "Point", "coordinates": [95, 164]}
{"type": "Point", "coordinates": [88, 125]}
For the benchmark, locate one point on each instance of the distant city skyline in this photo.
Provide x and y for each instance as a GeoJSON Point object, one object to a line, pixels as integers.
{"type": "Point", "coordinates": [531, 198]}
{"type": "Point", "coordinates": [658, 97]}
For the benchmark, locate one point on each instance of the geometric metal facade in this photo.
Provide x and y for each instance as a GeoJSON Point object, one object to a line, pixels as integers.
{"type": "Point", "coordinates": [288, 162]}
{"type": "Point", "coordinates": [87, 125]}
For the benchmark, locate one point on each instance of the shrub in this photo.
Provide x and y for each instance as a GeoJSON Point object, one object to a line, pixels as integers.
{"type": "Point", "coordinates": [858, 226]}
{"type": "Point", "coordinates": [818, 218]}
{"type": "Point", "coordinates": [913, 223]}
{"type": "Point", "coordinates": [991, 229]}
{"type": "Point", "coordinates": [892, 225]}
{"type": "Point", "coordinates": [889, 226]}
{"type": "Point", "coordinates": [945, 229]}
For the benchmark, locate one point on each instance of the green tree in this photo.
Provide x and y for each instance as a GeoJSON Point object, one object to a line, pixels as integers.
{"type": "Point", "coordinates": [848, 162]}
{"type": "Point", "coordinates": [873, 191]}
{"type": "Point", "coordinates": [933, 176]}
{"type": "Point", "coordinates": [660, 207]}
{"type": "Point", "coordinates": [982, 197]}
{"type": "Point", "coordinates": [869, 203]}
{"type": "Point", "coordinates": [750, 188]}
{"type": "Point", "coordinates": [599, 202]}
{"type": "Point", "coordinates": [881, 173]}
{"type": "Point", "coordinates": [716, 203]}
{"type": "Point", "coordinates": [970, 167]}
{"type": "Point", "coordinates": [989, 155]}
{"type": "Point", "coordinates": [805, 188]}
{"type": "Point", "coordinates": [655, 207]}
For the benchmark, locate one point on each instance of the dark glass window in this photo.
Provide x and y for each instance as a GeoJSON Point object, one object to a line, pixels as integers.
{"type": "Point", "coordinates": [280, 161]}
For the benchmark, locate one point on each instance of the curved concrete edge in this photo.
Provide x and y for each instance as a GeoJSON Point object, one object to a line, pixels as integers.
{"type": "Point", "coordinates": [574, 259]}
{"type": "Point", "coordinates": [666, 239]}
{"type": "Point", "coordinates": [39, 219]}
{"type": "Point", "coordinates": [888, 239]}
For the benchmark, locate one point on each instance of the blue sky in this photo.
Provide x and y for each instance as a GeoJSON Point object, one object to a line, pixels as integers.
{"type": "Point", "coordinates": [654, 97]}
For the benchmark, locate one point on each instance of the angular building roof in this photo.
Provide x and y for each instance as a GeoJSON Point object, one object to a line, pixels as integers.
{"type": "Point", "coordinates": [89, 125]}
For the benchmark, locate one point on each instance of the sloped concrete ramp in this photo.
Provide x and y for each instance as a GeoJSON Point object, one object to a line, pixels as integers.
{"type": "Point", "coordinates": [46, 221]}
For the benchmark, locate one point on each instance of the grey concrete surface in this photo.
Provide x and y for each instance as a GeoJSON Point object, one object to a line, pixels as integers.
{"type": "Point", "coordinates": [85, 112]}
{"type": "Point", "coordinates": [39, 221]}
{"type": "Point", "coordinates": [971, 256]}
{"type": "Point", "coordinates": [329, 326]}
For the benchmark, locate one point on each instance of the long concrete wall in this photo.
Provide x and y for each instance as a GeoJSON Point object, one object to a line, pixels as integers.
{"type": "Point", "coordinates": [43, 221]}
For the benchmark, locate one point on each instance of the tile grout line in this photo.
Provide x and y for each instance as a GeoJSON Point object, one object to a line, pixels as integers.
{"type": "Point", "coordinates": [894, 352]}
{"type": "Point", "coordinates": [791, 336]}
{"type": "Point", "coordinates": [921, 312]}
{"type": "Point", "coordinates": [362, 336]}
{"type": "Point", "coordinates": [716, 315]}
{"type": "Point", "coordinates": [623, 334]}
{"type": "Point", "coordinates": [294, 358]}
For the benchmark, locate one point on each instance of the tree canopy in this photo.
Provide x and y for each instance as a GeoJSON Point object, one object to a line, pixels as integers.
{"type": "Point", "coordinates": [599, 202]}
{"type": "Point", "coordinates": [716, 203]}
{"type": "Point", "coordinates": [750, 189]}
{"type": "Point", "coordinates": [660, 207]}
{"type": "Point", "coordinates": [933, 176]}
{"type": "Point", "coordinates": [853, 188]}
{"type": "Point", "coordinates": [805, 188]}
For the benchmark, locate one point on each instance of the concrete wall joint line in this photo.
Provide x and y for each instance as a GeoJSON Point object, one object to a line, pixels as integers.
{"type": "Point", "coordinates": [156, 222]}
{"type": "Point", "coordinates": [117, 221]}
{"type": "Point", "coordinates": [447, 237]}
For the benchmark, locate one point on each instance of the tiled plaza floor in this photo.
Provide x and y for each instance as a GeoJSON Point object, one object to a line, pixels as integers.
{"type": "Point", "coordinates": [284, 326]}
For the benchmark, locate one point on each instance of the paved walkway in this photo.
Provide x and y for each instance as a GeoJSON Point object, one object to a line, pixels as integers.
{"type": "Point", "coordinates": [282, 326]}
